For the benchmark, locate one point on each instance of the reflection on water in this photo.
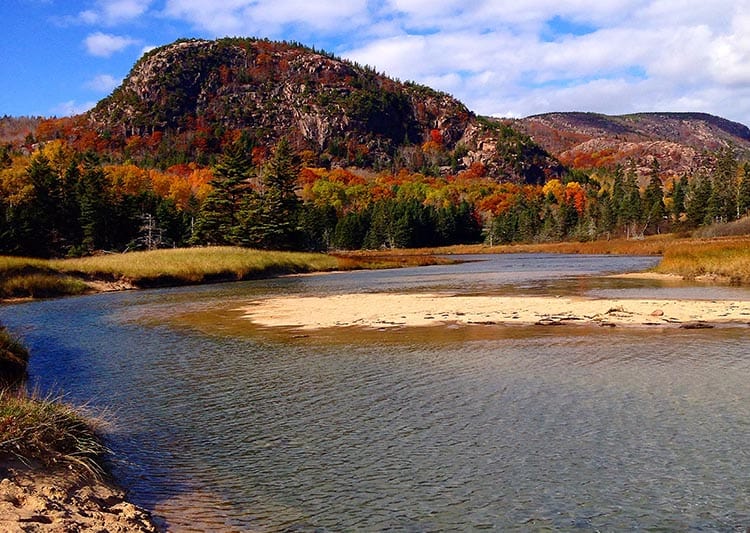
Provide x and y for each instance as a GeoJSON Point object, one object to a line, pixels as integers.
{"type": "Point", "coordinates": [418, 430]}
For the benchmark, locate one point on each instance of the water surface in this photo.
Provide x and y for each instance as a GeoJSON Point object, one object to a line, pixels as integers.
{"type": "Point", "coordinates": [217, 425]}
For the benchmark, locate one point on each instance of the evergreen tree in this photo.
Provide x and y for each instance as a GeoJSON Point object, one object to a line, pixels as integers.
{"type": "Point", "coordinates": [678, 197]}
{"type": "Point", "coordinates": [743, 194]}
{"type": "Point", "coordinates": [696, 208]}
{"type": "Point", "coordinates": [218, 218]}
{"type": "Point", "coordinates": [630, 213]}
{"type": "Point", "coordinates": [272, 219]}
{"type": "Point", "coordinates": [93, 198]}
{"type": "Point", "coordinates": [722, 204]}
{"type": "Point", "coordinates": [39, 227]}
{"type": "Point", "coordinates": [653, 202]}
{"type": "Point", "coordinates": [317, 225]}
{"type": "Point", "coordinates": [351, 230]}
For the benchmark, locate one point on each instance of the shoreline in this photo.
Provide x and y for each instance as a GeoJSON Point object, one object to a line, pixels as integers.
{"type": "Point", "coordinates": [393, 310]}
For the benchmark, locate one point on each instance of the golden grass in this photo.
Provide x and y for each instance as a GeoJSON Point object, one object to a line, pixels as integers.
{"type": "Point", "coordinates": [37, 429]}
{"type": "Point", "coordinates": [14, 359]}
{"type": "Point", "coordinates": [40, 285]}
{"type": "Point", "coordinates": [653, 245]}
{"type": "Point", "coordinates": [194, 265]}
{"type": "Point", "coordinates": [722, 259]}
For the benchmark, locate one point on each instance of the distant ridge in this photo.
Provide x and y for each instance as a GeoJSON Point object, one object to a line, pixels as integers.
{"type": "Point", "coordinates": [679, 142]}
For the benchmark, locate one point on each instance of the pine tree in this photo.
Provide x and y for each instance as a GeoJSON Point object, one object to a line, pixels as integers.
{"type": "Point", "coordinates": [678, 197]}
{"type": "Point", "coordinates": [723, 201]}
{"type": "Point", "coordinates": [696, 208]}
{"type": "Point", "coordinates": [743, 194]}
{"type": "Point", "coordinates": [40, 224]}
{"type": "Point", "coordinates": [275, 214]}
{"type": "Point", "coordinates": [653, 202]}
{"type": "Point", "coordinates": [218, 220]}
{"type": "Point", "coordinates": [94, 208]}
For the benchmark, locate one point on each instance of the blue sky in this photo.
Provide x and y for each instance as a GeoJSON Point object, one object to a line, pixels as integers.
{"type": "Point", "coordinates": [502, 57]}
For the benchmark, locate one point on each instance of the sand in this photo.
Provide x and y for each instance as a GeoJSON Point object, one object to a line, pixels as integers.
{"type": "Point", "coordinates": [40, 500]}
{"type": "Point", "coordinates": [388, 310]}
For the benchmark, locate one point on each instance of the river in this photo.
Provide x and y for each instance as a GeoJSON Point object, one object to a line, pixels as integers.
{"type": "Point", "coordinates": [216, 425]}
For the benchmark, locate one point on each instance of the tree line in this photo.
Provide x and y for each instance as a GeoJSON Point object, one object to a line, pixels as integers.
{"type": "Point", "coordinates": [58, 202]}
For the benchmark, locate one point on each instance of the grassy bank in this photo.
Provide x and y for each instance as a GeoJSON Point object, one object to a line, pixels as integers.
{"type": "Point", "coordinates": [37, 430]}
{"type": "Point", "coordinates": [14, 359]}
{"type": "Point", "coordinates": [41, 431]}
{"type": "Point", "coordinates": [38, 278]}
{"type": "Point", "coordinates": [723, 260]}
{"type": "Point", "coordinates": [192, 265]}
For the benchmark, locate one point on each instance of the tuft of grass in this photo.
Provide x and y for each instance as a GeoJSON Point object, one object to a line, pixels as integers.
{"type": "Point", "coordinates": [14, 360]}
{"type": "Point", "coordinates": [40, 285]}
{"type": "Point", "coordinates": [40, 430]}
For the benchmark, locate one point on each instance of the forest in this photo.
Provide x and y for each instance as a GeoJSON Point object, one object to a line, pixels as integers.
{"type": "Point", "coordinates": [61, 199]}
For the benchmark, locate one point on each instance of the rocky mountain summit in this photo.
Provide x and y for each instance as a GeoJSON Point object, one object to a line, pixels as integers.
{"type": "Point", "coordinates": [197, 94]}
{"type": "Point", "coordinates": [342, 112]}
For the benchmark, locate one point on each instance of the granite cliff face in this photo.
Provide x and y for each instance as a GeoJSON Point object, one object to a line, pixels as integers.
{"type": "Point", "coordinates": [272, 90]}
{"type": "Point", "coordinates": [348, 113]}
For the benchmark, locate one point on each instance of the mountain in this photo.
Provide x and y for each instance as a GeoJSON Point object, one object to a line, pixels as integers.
{"type": "Point", "coordinates": [188, 100]}
{"type": "Point", "coordinates": [202, 91]}
{"type": "Point", "coordinates": [682, 143]}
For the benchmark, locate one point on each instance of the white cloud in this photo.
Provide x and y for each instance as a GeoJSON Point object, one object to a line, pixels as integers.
{"type": "Point", "coordinates": [267, 17]}
{"type": "Point", "coordinates": [71, 107]}
{"type": "Point", "coordinates": [103, 83]}
{"type": "Point", "coordinates": [111, 12]}
{"type": "Point", "coordinates": [104, 45]}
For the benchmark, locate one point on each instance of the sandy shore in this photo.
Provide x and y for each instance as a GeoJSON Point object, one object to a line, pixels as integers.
{"type": "Point", "coordinates": [35, 499]}
{"type": "Point", "coordinates": [386, 310]}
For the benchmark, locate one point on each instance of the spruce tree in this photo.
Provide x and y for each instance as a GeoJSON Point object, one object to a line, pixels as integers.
{"type": "Point", "coordinates": [276, 213]}
{"type": "Point", "coordinates": [218, 220]}
{"type": "Point", "coordinates": [696, 209]}
{"type": "Point", "coordinates": [743, 194]}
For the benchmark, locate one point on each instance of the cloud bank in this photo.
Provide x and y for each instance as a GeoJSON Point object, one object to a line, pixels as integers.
{"type": "Point", "coordinates": [500, 57]}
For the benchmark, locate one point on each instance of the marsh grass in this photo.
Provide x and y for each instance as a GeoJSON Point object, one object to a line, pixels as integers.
{"type": "Point", "coordinates": [652, 245]}
{"type": "Point", "coordinates": [14, 359]}
{"type": "Point", "coordinates": [726, 259]}
{"type": "Point", "coordinates": [27, 277]}
{"type": "Point", "coordinates": [387, 259]}
{"type": "Point", "coordinates": [42, 430]}
{"type": "Point", "coordinates": [40, 285]}
{"type": "Point", "coordinates": [193, 265]}
{"type": "Point", "coordinates": [24, 277]}
{"type": "Point", "coordinates": [728, 229]}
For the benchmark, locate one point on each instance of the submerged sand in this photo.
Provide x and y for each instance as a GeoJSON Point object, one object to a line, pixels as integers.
{"type": "Point", "coordinates": [388, 310]}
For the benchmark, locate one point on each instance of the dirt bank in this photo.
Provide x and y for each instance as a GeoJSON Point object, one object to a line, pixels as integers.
{"type": "Point", "coordinates": [33, 499]}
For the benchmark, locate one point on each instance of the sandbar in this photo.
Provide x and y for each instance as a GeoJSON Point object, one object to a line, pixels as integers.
{"type": "Point", "coordinates": [389, 310]}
